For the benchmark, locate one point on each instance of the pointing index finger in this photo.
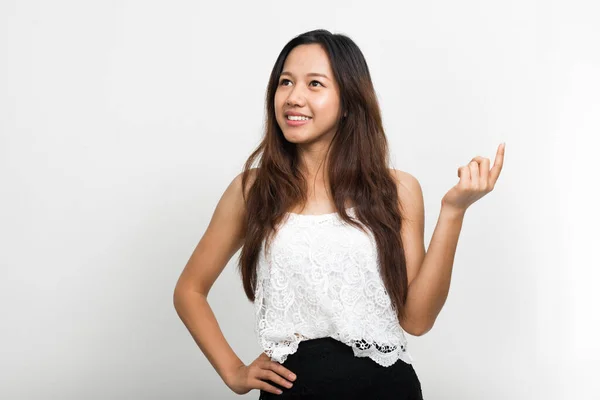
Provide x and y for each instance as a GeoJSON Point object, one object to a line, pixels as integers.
{"type": "Point", "coordinates": [498, 163]}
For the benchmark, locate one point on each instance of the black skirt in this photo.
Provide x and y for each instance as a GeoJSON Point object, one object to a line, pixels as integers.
{"type": "Point", "coordinates": [326, 368]}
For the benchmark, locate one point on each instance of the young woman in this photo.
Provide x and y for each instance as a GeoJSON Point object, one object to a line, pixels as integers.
{"type": "Point", "coordinates": [332, 240]}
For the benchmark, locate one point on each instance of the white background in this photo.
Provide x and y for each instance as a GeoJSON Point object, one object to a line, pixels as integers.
{"type": "Point", "coordinates": [122, 123]}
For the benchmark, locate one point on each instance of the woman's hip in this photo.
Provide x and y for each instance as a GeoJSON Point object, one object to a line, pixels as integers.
{"type": "Point", "coordinates": [327, 368]}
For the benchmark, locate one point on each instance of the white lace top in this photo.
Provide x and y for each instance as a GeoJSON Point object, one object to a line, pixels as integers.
{"type": "Point", "coordinates": [321, 279]}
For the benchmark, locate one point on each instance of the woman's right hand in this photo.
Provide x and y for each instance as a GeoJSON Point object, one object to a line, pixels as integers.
{"type": "Point", "coordinates": [253, 376]}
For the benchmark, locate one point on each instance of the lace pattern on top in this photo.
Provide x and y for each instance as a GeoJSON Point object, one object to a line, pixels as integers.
{"type": "Point", "coordinates": [321, 279]}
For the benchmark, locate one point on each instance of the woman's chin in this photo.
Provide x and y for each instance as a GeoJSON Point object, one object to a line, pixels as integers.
{"type": "Point", "coordinates": [297, 139]}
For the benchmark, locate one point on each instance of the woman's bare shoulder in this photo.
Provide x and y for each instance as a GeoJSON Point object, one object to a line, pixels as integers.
{"type": "Point", "coordinates": [237, 184]}
{"type": "Point", "coordinates": [405, 179]}
{"type": "Point", "coordinates": [410, 192]}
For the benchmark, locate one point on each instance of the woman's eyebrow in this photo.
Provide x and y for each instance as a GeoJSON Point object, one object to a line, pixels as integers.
{"type": "Point", "coordinates": [309, 74]}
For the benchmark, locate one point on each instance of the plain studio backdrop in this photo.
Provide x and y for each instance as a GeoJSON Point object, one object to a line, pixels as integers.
{"type": "Point", "coordinates": [122, 123]}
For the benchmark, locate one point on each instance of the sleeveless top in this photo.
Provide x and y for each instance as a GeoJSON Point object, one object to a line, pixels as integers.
{"type": "Point", "coordinates": [320, 279]}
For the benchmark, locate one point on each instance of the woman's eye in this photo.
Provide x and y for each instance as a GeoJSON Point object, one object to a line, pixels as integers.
{"type": "Point", "coordinates": [283, 81]}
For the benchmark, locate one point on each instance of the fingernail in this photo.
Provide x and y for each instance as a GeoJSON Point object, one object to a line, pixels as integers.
{"type": "Point", "coordinates": [292, 377]}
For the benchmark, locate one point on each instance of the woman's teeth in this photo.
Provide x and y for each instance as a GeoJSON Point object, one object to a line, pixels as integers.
{"type": "Point", "coordinates": [295, 118]}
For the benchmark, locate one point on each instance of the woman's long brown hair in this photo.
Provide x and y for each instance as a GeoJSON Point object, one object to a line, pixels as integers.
{"type": "Point", "coordinates": [358, 169]}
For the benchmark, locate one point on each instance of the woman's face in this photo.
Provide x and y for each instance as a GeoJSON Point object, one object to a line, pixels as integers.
{"type": "Point", "coordinates": [316, 97]}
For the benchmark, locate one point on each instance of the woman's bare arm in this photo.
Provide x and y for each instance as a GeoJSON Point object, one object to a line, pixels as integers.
{"type": "Point", "coordinates": [221, 240]}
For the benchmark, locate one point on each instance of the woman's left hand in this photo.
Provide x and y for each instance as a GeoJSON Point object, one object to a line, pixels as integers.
{"type": "Point", "coordinates": [476, 180]}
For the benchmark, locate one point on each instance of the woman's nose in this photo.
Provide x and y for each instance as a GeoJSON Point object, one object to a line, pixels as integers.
{"type": "Point", "coordinates": [293, 103]}
{"type": "Point", "coordinates": [295, 97]}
